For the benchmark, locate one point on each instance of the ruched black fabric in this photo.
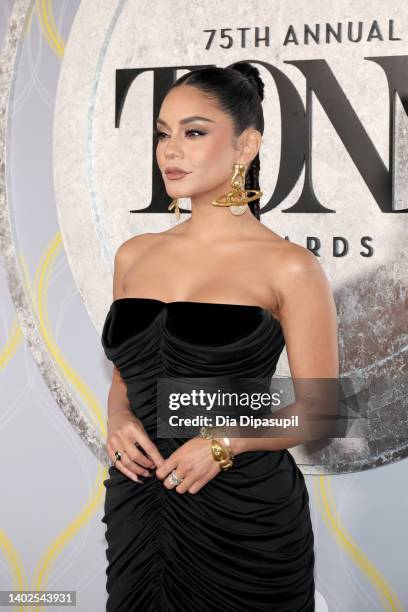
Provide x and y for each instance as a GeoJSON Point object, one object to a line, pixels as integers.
{"type": "Point", "coordinates": [244, 542]}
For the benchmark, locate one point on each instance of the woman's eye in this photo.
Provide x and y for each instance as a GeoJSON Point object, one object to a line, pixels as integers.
{"type": "Point", "coordinates": [199, 132]}
{"type": "Point", "coordinates": [160, 135]}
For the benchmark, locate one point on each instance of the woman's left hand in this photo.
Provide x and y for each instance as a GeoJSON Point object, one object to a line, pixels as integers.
{"type": "Point", "coordinates": [193, 462]}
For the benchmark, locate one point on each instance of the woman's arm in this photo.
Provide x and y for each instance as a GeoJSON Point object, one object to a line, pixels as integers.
{"type": "Point", "coordinates": [125, 431]}
{"type": "Point", "coordinates": [117, 396]}
{"type": "Point", "coordinates": [309, 322]}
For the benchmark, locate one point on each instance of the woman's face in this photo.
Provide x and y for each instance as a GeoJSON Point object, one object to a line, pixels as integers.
{"type": "Point", "coordinates": [202, 147]}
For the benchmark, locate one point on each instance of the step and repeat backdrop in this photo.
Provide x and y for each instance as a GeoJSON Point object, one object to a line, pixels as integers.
{"type": "Point", "coordinates": [81, 83]}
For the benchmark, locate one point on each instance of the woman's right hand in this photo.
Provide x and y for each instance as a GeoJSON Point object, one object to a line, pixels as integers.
{"type": "Point", "coordinates": [125, 433]}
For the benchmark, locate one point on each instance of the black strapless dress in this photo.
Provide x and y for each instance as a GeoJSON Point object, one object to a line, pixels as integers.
{"type": "Point", "coordinates": [244, 541]}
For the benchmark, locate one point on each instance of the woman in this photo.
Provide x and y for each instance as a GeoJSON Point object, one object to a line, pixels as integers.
{"type": "Point", "coordinates": [218, 522]}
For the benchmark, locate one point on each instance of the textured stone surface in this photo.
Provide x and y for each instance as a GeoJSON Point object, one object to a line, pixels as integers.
{"type": "Point", "coordinates": [57, 385]}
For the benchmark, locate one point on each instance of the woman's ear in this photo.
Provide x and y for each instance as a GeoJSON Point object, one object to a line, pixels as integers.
{"type": "Point", "coordinates": [249, 145]}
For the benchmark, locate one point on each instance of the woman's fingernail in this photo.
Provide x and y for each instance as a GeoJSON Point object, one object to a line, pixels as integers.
{"type": "Point", "coordinates": [136, 479]}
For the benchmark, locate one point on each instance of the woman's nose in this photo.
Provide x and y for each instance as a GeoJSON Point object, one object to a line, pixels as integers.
{"type": "Point", "coordinates": [173, 147]}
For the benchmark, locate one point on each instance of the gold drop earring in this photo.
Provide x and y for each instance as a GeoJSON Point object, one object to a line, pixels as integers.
{"type": "Point", "coordinates": [175, 204]}
{"type": "Point", "coordinates": [237, 199]}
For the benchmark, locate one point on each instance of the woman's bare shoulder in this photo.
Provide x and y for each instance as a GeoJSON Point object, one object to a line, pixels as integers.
{"type": "Point", "coordinates": [292, 258]}
{"type": "Point", "coordinates": [136, 245]}
{"type": "Point", "coordinates": [288, 264]}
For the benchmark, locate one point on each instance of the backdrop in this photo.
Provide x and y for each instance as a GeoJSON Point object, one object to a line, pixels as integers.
{"type": "Point", "coordinates": [80, 83]}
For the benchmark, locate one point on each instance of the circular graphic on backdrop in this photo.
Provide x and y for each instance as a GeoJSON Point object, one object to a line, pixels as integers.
{"type": "Point", "coordinates": [332, 129]}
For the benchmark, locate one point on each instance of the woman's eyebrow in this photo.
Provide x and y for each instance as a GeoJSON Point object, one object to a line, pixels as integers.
{"type": "Point", "coordinates": [186, 120]}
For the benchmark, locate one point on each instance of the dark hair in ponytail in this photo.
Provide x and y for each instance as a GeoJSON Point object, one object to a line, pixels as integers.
{"type": "Point", "coordinates": [238, 89]}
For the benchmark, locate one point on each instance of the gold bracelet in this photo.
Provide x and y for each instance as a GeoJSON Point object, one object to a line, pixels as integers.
{"type": "Point", "coordinates": [221, 455]}
{"type": "Point", "coordinates": [207, 433]}
{"type": "Point", "coordinates": [228, 445]}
